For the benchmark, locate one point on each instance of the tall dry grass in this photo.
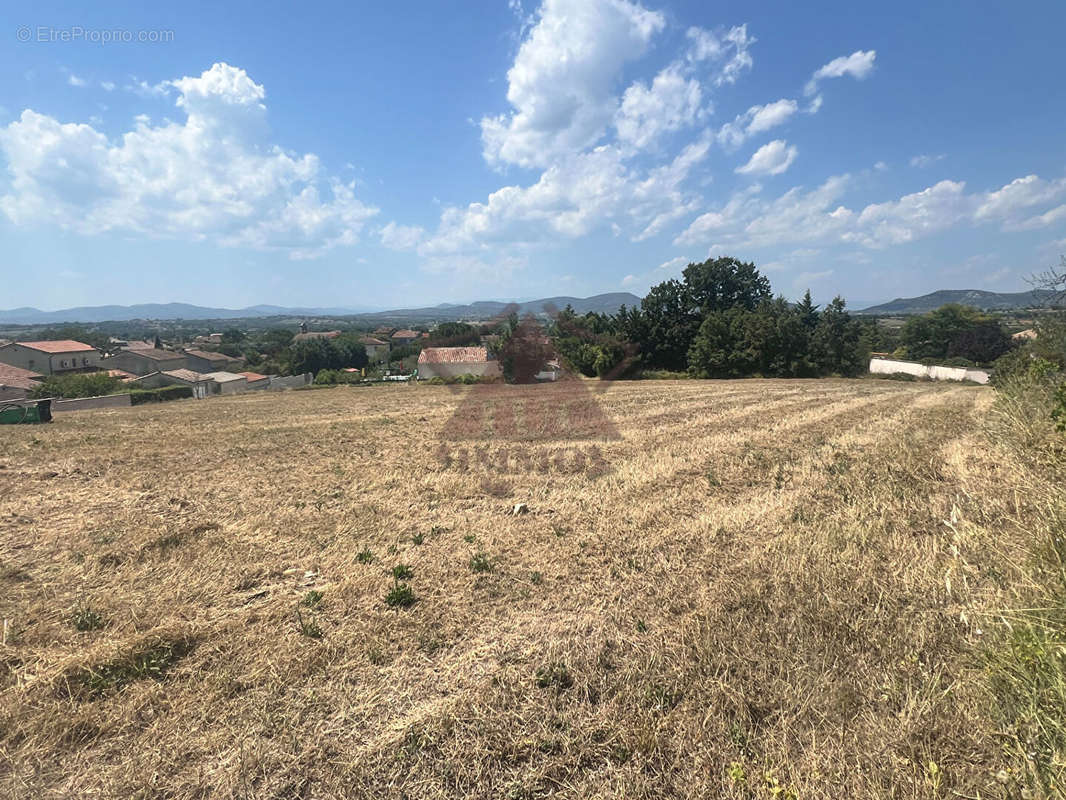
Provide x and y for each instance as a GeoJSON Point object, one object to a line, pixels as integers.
{"type": "Point", "coordinates": [770, 589]}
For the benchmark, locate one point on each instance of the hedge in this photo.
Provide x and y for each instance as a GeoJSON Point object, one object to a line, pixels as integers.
{"type": "Point", "coordinates": [138, 396]}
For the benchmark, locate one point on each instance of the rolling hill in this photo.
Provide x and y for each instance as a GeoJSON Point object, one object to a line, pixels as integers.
{"type": "Point", "coordinates": [991, 301]}
{"type": "Point", "coordinates": [173, 311]}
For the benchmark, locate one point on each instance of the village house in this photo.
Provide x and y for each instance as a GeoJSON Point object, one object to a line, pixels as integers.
{"type": "Point", "coordinates": [376, 349]}
{"type": "Point", "coordinates": [446, 362]}
{"type": "Point", "coordinates": [404, 337]}
{"type": "Point", "coordinates": [201, 387]}
{"type": "Point", "coordinates": [51, 357]}
{"type": "Point", "coordinates": [16, 383]}
{"type": "Point", "coordinates": [207, 361]}
{"type": "Point", "coordinates": [144, 362]}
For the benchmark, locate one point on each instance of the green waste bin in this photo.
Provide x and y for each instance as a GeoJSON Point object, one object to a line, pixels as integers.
{"type": "Point", "coordinates": [25, 411]}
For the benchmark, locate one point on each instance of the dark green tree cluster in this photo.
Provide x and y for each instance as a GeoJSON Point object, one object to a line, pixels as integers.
{"type": "Point", "coordinates": [955, 331]}
{"type": "Point", "coordinates": [669, 318]}
{"type": "Point", "coordinates": [455, 334]}
{"type": "Point", "coordinates": [590, 344]}
{"type": "Point", "coordinates": [312, 355]}
{"type": "Point", "coordinates": [780, 340]}
{"type": "Point", "coordinates": [719, 320]}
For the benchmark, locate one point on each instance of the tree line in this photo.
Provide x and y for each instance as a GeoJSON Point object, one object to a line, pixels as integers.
{"type": "Point", "coordinates": [719, 320]}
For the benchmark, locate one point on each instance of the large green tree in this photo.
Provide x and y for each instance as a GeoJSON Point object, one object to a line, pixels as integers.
{"type": "Point", "coordinates": [722, 283]}
{"type": "Point", "coordinates": [671, 314]}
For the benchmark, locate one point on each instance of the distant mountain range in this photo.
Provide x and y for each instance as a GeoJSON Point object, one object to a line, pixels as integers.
{"type": "Point", "coordinates": [486, 309]}
{"type": "Point", "coordinates": [184, 311]}
{"type": "Point", "coordinates": [990, 301]}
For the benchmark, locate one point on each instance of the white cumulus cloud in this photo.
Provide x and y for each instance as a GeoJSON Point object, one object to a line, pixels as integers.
{"type": "Point", "coordinates": [730, 48]}
{"type": "Point", "coordinates": [212, 176]}
{"type": "Point", "coordinates": [670, 103]}
{"type": "Point", "coordinates": [561, 86]}
{"type": "Point", "coordinates": [748, 219]}
{"type": "Point", "coordinates": [756, 119]}
{"type": "Point", "coordinates": [770, 159]}
{"type": "Point", "coordinates": [858, 65]}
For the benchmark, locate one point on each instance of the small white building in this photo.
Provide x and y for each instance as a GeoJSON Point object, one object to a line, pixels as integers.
{"type": "Point", "coordinates": [226, 382]}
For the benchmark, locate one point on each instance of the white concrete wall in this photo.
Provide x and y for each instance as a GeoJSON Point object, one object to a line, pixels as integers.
{"type": "Point", "coordinates": [885, 366]}
{"type": "Point", "coordinates": [291, 381]}
{"type": "Point", "coordinates": [82, 403]}
{"type": "Point", "coordinates": [481, 368]}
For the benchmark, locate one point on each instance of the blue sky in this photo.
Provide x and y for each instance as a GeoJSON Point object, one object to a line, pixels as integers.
{"type": "Point", "coordinates": [409, 153]}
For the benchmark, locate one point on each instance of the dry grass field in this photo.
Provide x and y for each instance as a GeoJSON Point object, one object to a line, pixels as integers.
{"type": "Point", "coordinates": [759, 589]}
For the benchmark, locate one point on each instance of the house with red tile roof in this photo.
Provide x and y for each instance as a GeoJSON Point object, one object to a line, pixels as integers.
{"type": "Point", "coordinates": [405, 337]}
{"type": "Point", "coordinates": [16, 383]}
{"type": "Point", "coordinates": [447, 362]}
{"type": "Point", "coordinates": [51, 357]}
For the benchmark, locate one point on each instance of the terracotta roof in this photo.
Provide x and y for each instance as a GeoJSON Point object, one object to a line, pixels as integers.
{"type": "Point", "coordinates": [253, 376]}
{"type": "Point", "coordinates": [59, 346]}
{"type": "Point", "coordinates": [209, 356]}
{"type": "Point", "coordinates": [453, 355]}
{"type": "Point", "coordinates": [405, 334]}
{"type": "Point", "coordinates": [17, 376]}
{"type": "Point", "coordinates": [192, 376]}
{"type": "Point", "coordinates": [121, 373]}
{"type": "Point", "coordinates": [1029, 333]}
{"type": "Point", "coordinates": [371, 340]}
{"type": "Point", "coordinates": [156, 355]}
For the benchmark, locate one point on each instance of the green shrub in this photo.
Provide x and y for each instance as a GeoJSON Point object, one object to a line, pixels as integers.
{"type": "Point", "coordinates": [1058, 410]}
{"type": "Point", "coordinates": [400, 595]}
{"type": "Point", "coordinates": [160, 395]}
{"type": "Point", "coordinates": [86, 618]}
{"type": "Point", "coordinates": [84, 384]}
